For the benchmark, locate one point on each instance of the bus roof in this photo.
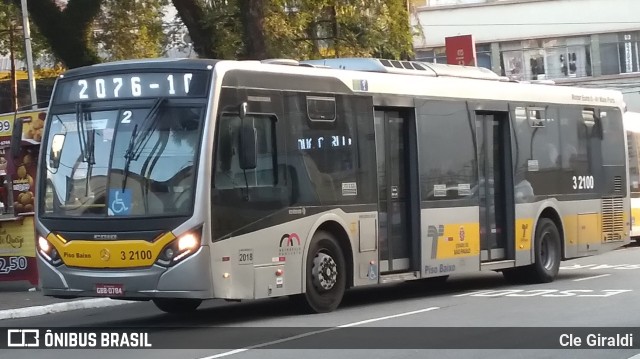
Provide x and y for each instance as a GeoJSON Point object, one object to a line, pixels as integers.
{"type": "Point", "coordinates": [389, 77]}
{"type": "Point", "coordinates": [373, 76]}
{"type": "Point", "coordinates": [140, 64]}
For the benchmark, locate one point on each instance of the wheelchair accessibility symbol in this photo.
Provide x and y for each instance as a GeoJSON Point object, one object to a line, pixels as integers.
{"type": "Point", "coordinates": [119, 202]}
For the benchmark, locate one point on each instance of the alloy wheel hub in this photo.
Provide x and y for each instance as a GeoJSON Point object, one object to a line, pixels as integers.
{"type": "Point", "coordinates": [325, 272]}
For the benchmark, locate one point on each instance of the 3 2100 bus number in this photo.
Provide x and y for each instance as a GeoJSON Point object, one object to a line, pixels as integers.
{"type": "Point", "coordinates": [583, 182]}
{"type": "Point", "coordinates": [136, 255]}
{"type": "Point", "coordinates": [11, 264]}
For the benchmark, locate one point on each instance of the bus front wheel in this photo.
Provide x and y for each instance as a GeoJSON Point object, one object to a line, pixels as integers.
{"type": "Point", "coordinates": [177, 305]}
{"type": "Point", "coordinates": [325, 274]}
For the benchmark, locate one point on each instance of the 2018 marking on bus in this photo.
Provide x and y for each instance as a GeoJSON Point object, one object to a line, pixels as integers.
{"type": "Point", "coordinates": [245, 256]}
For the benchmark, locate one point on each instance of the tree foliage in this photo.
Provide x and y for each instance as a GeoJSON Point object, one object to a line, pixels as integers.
{"type": "Point", "coordinates": [11, 22]}
{"type": "Point", "coordinates": [297, 28]}
{"type": "Point", "coordinates": [8, 27]}
{"type": "Point", "coordinates": [123, 29]}
{"type": "Point", "coordinates": [68, 31]}
{"type": "Point", "coordinates": [227, 29]}
{"type": "Point", "coordinates": [128, 29]}
{"type": "Point", "coordinates": [330, 28]}
{"type": "Point", "coordinates": [213, 26]}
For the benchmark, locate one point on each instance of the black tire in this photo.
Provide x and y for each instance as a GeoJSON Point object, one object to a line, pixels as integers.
{"type": "Point", "coordinates": [324, 291]}
{"type": "Point", "coordinates": [177, 305]}
{"type": "Point", "coordinates": [547, 252]}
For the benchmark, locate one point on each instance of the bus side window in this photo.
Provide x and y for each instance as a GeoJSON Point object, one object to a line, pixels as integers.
{"type": "Point", "coordinates": [228, 173]}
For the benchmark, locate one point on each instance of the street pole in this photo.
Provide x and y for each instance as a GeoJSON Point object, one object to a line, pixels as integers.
{"type": "Point", "coordinates": [27, 48]}
{"type": "Point", "coordinates": [14, 78]}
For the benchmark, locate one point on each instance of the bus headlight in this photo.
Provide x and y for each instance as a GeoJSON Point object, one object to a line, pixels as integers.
{"type": "Point", "coordinates": [43, 244]}
{"type": "Point", "coordinates": [188, 241]}
{"type": "Point", "coordinates": [48, 251]}
{"type": "Point", "coordinates": [180, 248]}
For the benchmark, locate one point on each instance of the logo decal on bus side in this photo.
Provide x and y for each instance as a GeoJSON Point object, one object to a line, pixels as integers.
{"type": "Point", "coordinates": [290, 244]}
{"type": "Point", "coordinates": [434, 233]}
{"type": "Point", "coordinates": [524, 238]}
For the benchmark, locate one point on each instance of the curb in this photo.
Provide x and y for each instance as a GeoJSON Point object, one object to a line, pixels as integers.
{"type": "Point", "coordinates": [60, 307]}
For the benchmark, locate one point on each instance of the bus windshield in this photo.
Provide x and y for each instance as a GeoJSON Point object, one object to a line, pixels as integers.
{"type": "Point", "coordinates": [122, 162]}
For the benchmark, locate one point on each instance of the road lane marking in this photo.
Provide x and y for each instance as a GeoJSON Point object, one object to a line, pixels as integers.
{"type": "Point", "coordinates": [226, 353]}
{"type": "Point", "coordinates": [472, 293]}
{"type": "Point", "coordinates": [601, 266]}
{"type": "Point", "coordinates": [387, 317]}
{"type": "Point", "coordinates": [594, 277]}
{"type": "Point", "coordinates": [557, 293]}
{"type": "Point", "coordinates": [348, 325]}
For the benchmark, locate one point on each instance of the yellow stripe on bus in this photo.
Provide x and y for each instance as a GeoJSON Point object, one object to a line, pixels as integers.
{"type": "Point", "coordinates": [586, 228]}
{"type": "Point", "coordinates": [635, 216]}
{"type": "Point", "coordinates": [463, 240]}
{"type": "Point", "coordinates": [109, 254]}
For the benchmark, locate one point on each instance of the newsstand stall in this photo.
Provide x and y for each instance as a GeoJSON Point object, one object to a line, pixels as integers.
{"type": "Point", "coordinates": [20, 135]}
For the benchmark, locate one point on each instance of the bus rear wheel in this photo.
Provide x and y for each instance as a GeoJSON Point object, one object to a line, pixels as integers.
{"type": "Point", "coordinates": [177, 305]}
{"type": "Point", "coordinates": [325, 274]}
{"type": "Point", "coordinates": [547, 252]}
{"type": "Point", "coordinates": [547, 256]}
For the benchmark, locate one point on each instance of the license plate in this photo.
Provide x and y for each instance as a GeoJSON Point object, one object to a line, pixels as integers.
{"type": "Point", "coordinates": [110, 290]}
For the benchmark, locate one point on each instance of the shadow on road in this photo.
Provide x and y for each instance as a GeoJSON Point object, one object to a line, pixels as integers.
{"type": "Point", "coordinates": [221, 313]}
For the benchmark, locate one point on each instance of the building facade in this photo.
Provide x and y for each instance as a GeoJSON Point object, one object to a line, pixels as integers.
{"type": "Point", "coordinates": [590, 43]}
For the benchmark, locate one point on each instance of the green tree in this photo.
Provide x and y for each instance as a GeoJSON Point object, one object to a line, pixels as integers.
{"type": "Point", "coordinates": [127, 29]}
{"type": "Point", "coordinates": [252, 18]}
{"type": "Point", "coordinates": [11, 24]}
{"type": "Point", "coordinates": [339, 28]}
{"type": "Point", "coordinates": [297, 28]}
{"type": "Point", "coordinates": [67, 31]}
{"type": "Point", "coordinates": [8, 28]}
{"type": "Point", "coordinates": [213, 26]}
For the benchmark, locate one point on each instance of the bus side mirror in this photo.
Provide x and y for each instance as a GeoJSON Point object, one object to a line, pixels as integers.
{"type": "Point", "coordinates": [16, 137]}
{"type": "Point", "coordinates": [248, 155]}
{"type": "Point", "coordinates": [56, 147]}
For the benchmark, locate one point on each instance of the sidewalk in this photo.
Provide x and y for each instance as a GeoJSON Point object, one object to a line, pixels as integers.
{"type": "Point", "coordinates": [20, 300]}
{"type": "Point", "coordinates": [20, 294]}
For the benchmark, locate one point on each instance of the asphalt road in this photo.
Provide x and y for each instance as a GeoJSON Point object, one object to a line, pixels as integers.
{"type": "Point", "coordinates": [601, 291]}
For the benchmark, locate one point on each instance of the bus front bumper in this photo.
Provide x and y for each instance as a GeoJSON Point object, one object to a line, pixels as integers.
{"type": "Point", "coordinates": [187, 279]}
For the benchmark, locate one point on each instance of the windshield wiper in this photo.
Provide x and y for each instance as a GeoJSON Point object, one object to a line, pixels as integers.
{"type": "Point", "coordinates": [140, 138]}
{"type": "Point", "coordinates": [128, 156]}
{"type": "Point", "coordinates": [82, 135]}
{"type": "Point", "coordinates": [87, 143]}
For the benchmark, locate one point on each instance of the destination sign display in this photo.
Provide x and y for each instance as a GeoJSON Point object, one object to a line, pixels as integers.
{"type": "Point", "coordinates": [132, 86]}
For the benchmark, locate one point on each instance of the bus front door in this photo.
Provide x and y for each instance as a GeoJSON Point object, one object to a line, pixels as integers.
{"type": "Point", "coordinates": [494, 183]}
{"type": "Point", "coordinates": [394, 188]}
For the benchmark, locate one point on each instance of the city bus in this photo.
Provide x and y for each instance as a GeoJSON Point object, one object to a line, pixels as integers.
{"type": "Point", "coordinates": [180, 180]}
{"type": "Point", "coordinates": [632, 126]}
